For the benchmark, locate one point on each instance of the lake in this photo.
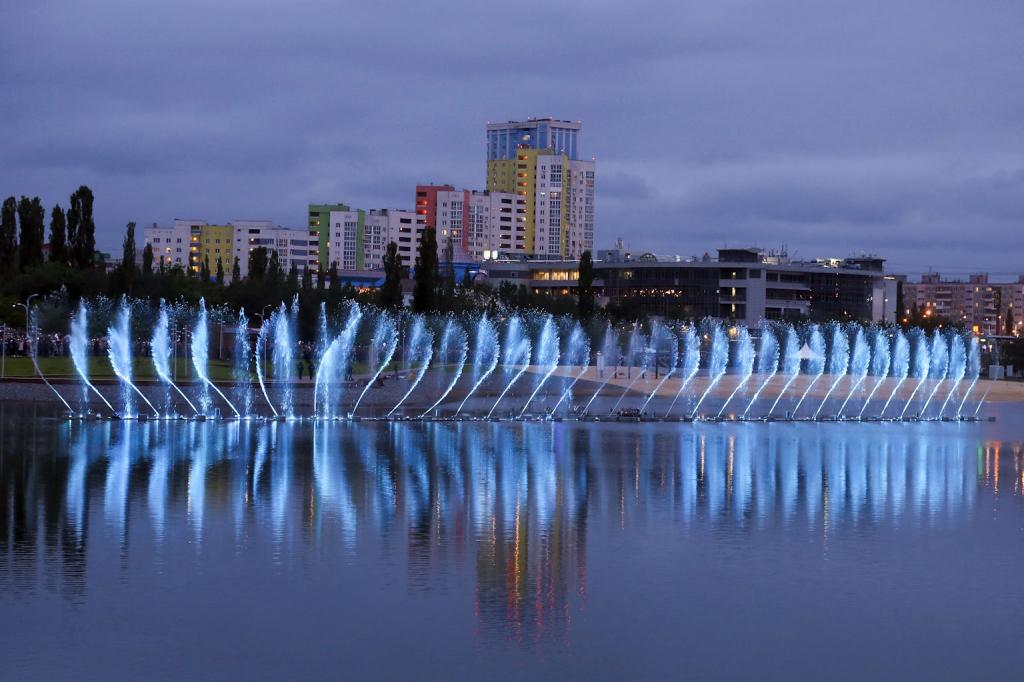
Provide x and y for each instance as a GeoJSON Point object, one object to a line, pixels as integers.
{"type": "Point", "coordinates": [507, 550]}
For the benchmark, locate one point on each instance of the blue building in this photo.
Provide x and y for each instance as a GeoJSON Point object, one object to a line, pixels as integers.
{"type": "Point", "coordinates": [561, 137]}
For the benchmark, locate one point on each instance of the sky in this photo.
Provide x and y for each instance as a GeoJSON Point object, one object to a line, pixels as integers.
{"type": "Point", "coordinates": [829, 127]}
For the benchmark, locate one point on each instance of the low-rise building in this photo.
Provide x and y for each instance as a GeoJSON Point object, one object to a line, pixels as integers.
{"type": "Point", "coordinates": [742, 284]}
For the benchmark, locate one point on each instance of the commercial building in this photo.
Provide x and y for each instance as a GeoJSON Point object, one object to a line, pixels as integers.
{"type": "Point", "coordinates": [539, 161]}
{"type": "Point", "coordinates": [742, 284]}
{"type": "Point", "coordinates": [982, 305]}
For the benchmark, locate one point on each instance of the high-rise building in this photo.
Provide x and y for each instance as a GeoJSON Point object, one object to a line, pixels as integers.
{"type": "Point", "coordinates": [538, 160]}
{"type": "Point", "coordinates": [319, 216]}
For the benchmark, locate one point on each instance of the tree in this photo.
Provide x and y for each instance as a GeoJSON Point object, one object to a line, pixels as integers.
{"type": "Point", "coordinates": [321, 276]}
{"type": "Point", "coordinates": [1009, 321]}
{"type": "Point", "coordinates": [390, 294]}
{"type": "Point", "coordinates": [204, 269]}
{"type": "Point", "coordinates": [584, 289]}
{"type": "Point", "coordinates": [236, 271]}
{"type": "Point", "coordinates": [307, 277]}
{"type": "Point", "coordinates": [293, 278]}
{"type": "Point", "coordinates": [31, 217]}
{"type": "Point", "coordinates": [128, 258]}
{"type": "Point", "coordinates": [448, 281]}
{"type": "Point", "coordinates": [147, 260]}
{"type": "Point", "coordinates": [424, 294]}
{"type": "Point", "coordinates": [901, 311]}
{"type": "Point", "coordinates": [8, 235]}
{"type": "Point", "coordinates": [220, 271]}
{"type": "Point", "coordinates": [84, 245]}
{"type": "Point", "coordinates": [258, 263]}
{"type": "Point", "coordinates": [274, 268]}
{"type": "Point", "coordinates": [333, 274]}
{"type": "Point", "coordinates": [58, 236]}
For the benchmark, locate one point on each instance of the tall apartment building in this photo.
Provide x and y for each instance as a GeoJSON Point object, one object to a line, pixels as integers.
{"type": "Point", "coordinates": [538, 160]}
{"type": "Point", "coordinates": [982, 305]}
{"type": "Point", "coordinates": [479, 224]}
{"type": "Point", "coordinates": [358, 239]}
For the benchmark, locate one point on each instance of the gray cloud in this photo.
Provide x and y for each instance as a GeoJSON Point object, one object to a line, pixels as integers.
{"type": "Point", "coordinates": [837, 126]}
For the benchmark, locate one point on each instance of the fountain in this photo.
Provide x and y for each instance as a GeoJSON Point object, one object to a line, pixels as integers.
{"type": "Point", "coordinates": [743, 362]}
{"type": "Point", "coordinates": [242, 359]}
{"type": "Point", "coordinates": [717, 362]}
{"type": "Point", "coordinates": [691, 364]}
{"type": "Point", "coordinates": [79, 347]}
{"type": "Point", "coordinates": [973, 371]}
{"type": "Point", "coordinates": [385, 338]}
{"type": "Point", "coordinates": [939, 366]}
{"type": "Point", "coordinates": [485, 356]}
{"type": "Point", "coordinates": [900, 366]}
{"type": "Point", "coordinates": [607, 356]}
{"type": "Point", "coordinates": [160, 351]}
{"type": "Point", "coordinates": [120, 354]}
{"type": "Point", "coordinates": [577, 353]}
{"type": "Point", "coordinates": [838, 361]}
{"type": "Point", "coordinates": [333, 367]}
{"type": "Point", "coordinates": [33, 353]}
{"type": "Point", "coordinates": [957, 368]}
{"type": "Point", "coordinates": [517, 354]}
{"type": "Point", "coordinates": [922, 363]}
{"type": "Point", "coordinates": [283, 357]}
{"type": "Point", "coordinates": [546, 356]}
{"type": "Point", "coordinates": [665, 343]}
{"type": "Point", "coordinates": [453, 336]}
{"type": "Point", "coordinates": [860, 365]}
{"type": "Point", "coordinates": [201, 361]}
{"type": "Point", "coordinates": [636, 355]}
{"type": "Point", "coordinates": [261, 355]}
{"type": "Point", "coordinates": [767, 363]}
{"type": "Point", "coordinates": [814, 350]}
{"type": "Point", "coordinates": [880, 362]}
{"type": "Point", "coordinates": [790, 364]}
{"type": "Point", "coordinates": [421, 351]}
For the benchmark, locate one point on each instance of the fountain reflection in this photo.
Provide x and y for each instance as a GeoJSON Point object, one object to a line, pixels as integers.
{"type": "Point", "coordinates": [508, 504]}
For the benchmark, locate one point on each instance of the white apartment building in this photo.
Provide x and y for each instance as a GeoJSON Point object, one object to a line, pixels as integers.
{"type": "Point", "coordinates": [359, 239]}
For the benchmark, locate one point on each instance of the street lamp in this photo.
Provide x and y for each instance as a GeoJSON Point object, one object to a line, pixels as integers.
{"type": "Point", "coordinates": [27, 306]}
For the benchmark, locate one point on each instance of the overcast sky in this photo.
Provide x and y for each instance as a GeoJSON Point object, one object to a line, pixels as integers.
{"type": "Point", "coordinates": [830, 126]}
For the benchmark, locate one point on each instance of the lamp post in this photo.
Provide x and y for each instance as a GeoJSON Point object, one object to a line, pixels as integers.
{"type": "Point", "coordinates": [27, 306]}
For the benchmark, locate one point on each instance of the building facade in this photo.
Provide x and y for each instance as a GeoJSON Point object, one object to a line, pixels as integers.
{"type": "Point", "coordinates": [538, 160]}
{"type": "Point", "coordinates": [990, 308]}
{"type": "Point", "coordinates": [478, 224]}
{"type": "Point", "coordinates": [741, 284]}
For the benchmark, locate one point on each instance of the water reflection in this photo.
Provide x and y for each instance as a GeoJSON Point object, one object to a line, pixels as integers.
{"type": "Point", "coordinates": [509, 508]}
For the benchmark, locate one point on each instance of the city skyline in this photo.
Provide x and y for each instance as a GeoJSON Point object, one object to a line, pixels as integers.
{"type": "Point", "coordinates": [712, 127]}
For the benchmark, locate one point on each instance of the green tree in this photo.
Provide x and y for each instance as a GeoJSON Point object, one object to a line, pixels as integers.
{"type": "Point", "coordinates": [1009, 321]}
{"type": "Point", "coordinates": [258, 263]}
{"type": "Point", "coordinates": [307, 277]}
{"type": "Point", "coordinates": [321, 278]}
{"type": "Point", "coordinates": [424, 294]}
{"type": "Point", "coordinates": [335, 280]}
{"type": "Point", "coordinates": [236, 271]}
{"type": "Point", "coordinates": [31, 217]}
{"type": "Point", "coordinates": [293, 278]}
{"type": "Point", "coordinates": [274, 268]}
{"type": "Point", "coordinates": [390, 294]}
{"type": "Point", "coordinates": [8, 235]}
{"type": "Point", "coordinates": [83, 243]}
{"type": "Point", "coordinates": [204, 269]}
{"type": "Point", "coordinates": [585, 287]}
{"type": "Point", "coordinates": [147, 260]}
{"type": "Point", "coordinates": [220, 271]}
{"type": "Point", "coordinates": [58, 236]}
{"type": "Point", "coordinates": [128, 259]}
{"type": "Point", "coordinates": [448, 271]}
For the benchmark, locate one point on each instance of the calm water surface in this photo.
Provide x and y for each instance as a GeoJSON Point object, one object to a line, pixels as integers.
{"type": "Point", "coordinates": [522, 551]}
